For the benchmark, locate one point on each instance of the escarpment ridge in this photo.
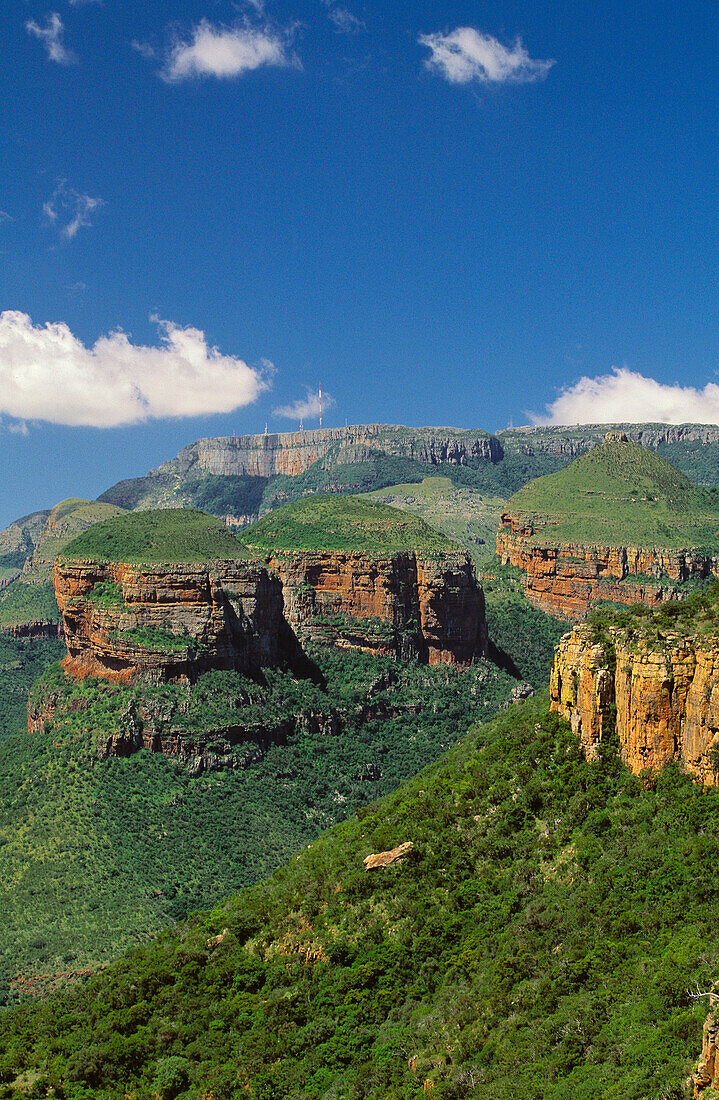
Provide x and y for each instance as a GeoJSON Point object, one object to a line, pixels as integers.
{"type": "Point", "coordinates": [618, 524]}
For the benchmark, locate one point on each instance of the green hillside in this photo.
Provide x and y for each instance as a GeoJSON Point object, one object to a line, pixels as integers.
{"type": "Point", "coordinates": [158, 536]}
{"type": "Point", "coordinates": [95, 855]}
{"type": "Point", "coordinates": [539, 942]}
{"type": "Point", "coordinates": [620, 493]}
{"type": "Point", "coordinates": [328, 522]}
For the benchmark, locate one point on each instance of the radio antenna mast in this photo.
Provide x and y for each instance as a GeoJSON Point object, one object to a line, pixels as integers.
{"type": "Point", "coordinates": [320, 404]}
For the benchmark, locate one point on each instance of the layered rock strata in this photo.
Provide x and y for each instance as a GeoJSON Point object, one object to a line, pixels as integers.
{"type": "Point", "coordinates": [173, 620]}
{"type": "Point", "coordinates": [566, 579]}
{"type": "Point", "coordinates": [663, 692]}
{"type": "Point", "coordinates": [294, 452]}
{"type": "Point", "coordinates": [704, 1082]}
{"type": "Point", "coordinates": [121, 620]}
{"type": "Point", "coordinates": [402, 605]}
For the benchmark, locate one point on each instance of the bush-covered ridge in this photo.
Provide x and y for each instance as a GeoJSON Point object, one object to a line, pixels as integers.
{"type": "Point", "coordinates": [159, 536]}
{"type": "Point", "coordinates": [95, 854]}
{"type": "Point", "coordinates": [344, 523]}
{"type": "Point", "coordinates": [538, 943]}
{"type": "Point", "coordinates": [620, 494]}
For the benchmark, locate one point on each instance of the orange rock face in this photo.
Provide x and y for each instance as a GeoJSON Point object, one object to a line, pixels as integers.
{"type": "Point", "coordinates": [566, 580]}
{"type": "Point", "coordinates": [400, 605]}
{"type": "Point", "coordinates": [666, 695]}
{"type": "Point", "coordinates": [122, 619]}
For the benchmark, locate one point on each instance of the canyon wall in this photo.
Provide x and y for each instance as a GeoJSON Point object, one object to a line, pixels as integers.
{"type": "Point", "coordinates": [172, 620]}
{"type": "Point", "coordinates": [121, 620]}
{"type": "Point", "coordinates": [662, 690]}
{"type": "Point", "coordinates": [566, 579]}
{"type": "Point", "coordinates": [405, 604]}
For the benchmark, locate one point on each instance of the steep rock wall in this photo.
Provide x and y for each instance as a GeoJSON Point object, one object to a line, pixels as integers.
{"type": "Point", "coordinates": [572, 442]}
{"type": "Point", "coordinates": [567, 579]}
{"type": "Point", "coordinates": [294, 452]}
{"type": "Point", "coordinates": [404, 604]}
{"type": "Point", "coordinates": [664, 692]}
{"type": "Point", "coordinates": [173, 620]}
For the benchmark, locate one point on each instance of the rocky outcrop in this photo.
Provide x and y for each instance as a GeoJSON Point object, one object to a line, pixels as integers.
{"type": "Point", "coordinates": [405, 604]}
{"type": "Point", "coordinates": [566, 579]}
{"type": "Point", "coordinates": [379, 860]}
{"type": "Point", "coordinates": [704, 1082]}
{"type": "Point", "coordinates": [172, 620]}
{"type": "Point", "coordinates": [661, 690]}
{"type": "Point", "coordinates": [38, 628]}
{"type": "Point", "coordinates": [294, 452]}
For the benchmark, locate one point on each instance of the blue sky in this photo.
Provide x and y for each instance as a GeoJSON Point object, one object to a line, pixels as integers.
{"type": "Point", "coordinates": [447, 213]}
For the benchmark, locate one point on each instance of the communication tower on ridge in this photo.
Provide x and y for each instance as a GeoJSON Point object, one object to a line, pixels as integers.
{"type": "Point", "coordinates": [320, 404]}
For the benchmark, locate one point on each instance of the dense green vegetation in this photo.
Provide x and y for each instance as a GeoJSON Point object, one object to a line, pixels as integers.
{"type": "Point", "coordinates": [96, 854]}
{"type": "Point", "coordinates": [699, 461]}
{"type": "Point", "coordinates": [521, 638]}
{"type": "Point", "coordinates": [163, 535]}
{"type": "Point", "coordinates": [697, 616]}
{"type": "Point", "coordinates": [620, 493]}
{"type": "Point", "coordinates": [539, 943]}
{"type": "Point", "coordinates": [327, 522]}
{"type": "Point", "coordinates": [22, 660]}
{"type": "Point", "coordinates": [28, 603]}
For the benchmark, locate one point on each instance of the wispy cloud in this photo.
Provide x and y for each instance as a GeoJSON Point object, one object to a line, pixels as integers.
{"type": "Point", "coordinates": [626, 397]}
{"type": "Point", "coordinates": [225, 52]}
{"type": "Point", "coordinates": [344, 20]}
{"type": "Point", "coordinates": [5, 217]}
{"type": "Point", "coordinates": [144, 49]}
{"type": "Point", "coordinates": [46, 373]}
{"type": "Point", "coordinates": [305, 408]}
{"type": "Point", "coordinates": [51, 37]}
{"type": "Point", "coordinates": [466, 55]}
{"type": "Point", "coordinates": [68, 210]}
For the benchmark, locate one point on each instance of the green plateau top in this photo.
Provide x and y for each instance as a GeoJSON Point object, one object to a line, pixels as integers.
{"type": "Point", "coordinates": [345, 523]}
{"type": "Point", "coordinates": [161, 536]}
{"type": "Point", "coordinates": [620, 493]}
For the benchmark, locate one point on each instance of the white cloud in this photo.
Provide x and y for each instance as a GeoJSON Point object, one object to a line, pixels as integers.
{"type": "Point", "coordinates": [18, 427]}
{"type": "Point", "coordinates": [344, 20]}
{"type": "Point", "coordinates": [5, 217]}
{"type": "Point", "coordinates": [68, 210]}
{"type": "Point", "coordinates": [144, 49]}
{"type": "Point", "coordinates": [465, 54]}
{"type": "Point", "coordinates": [307, 408]}
{"type": "Point", "coordinates": [51, 37]}
{"type": "Point", "coordinates": [224, 52]}
{"type": "Point", "coordinates": [46, 373]}
{"type": "Point", "coordinates": [626, 397]}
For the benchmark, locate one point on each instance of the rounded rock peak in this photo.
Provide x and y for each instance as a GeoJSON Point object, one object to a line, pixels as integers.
{"type": "Point", "coordinates": [616, 437]}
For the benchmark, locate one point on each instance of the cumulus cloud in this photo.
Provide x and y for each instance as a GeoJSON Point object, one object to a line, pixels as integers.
{"type": "Point", "coordinates": [465, 54]}
{"type": "Point", "coordinates": [51, 37]}
{"type": "Point", "coordinates": [626, 397]}
{"type": "Point", "coordinates": [68, 210]}
{"type": "Point", "coordinates": [224, 52]}
{"type": "Point", "coordinates": [305, 408]}
{"type": "Point", "coordinates": [46, 373]}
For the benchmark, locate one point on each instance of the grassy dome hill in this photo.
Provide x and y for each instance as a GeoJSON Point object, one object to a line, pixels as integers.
{"type": "Point", "coordinates": [344, 523]}
{"type": "Point", "coordinates": [620, 493]}
{"type": "Point", "coordinates": [166, 536]}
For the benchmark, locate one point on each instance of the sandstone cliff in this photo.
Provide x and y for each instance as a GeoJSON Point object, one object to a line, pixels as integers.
{"type": "Point", "coordinates": [294, 452]}
{"type": "Point", "coordinates": [405, 604]}
{"type": "Point", "coordinates": [704, 1082]}
{"type": "Point", "coordinates": [120, 620]}
{"type": "Point", "coordinates": [566, 579]}
{"type": "Point", "coordinates": [172, 620]}
{"type": "Point", "coordinates": [572, 441]}
{"type": "Point", "coordinates": [661, 688]}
